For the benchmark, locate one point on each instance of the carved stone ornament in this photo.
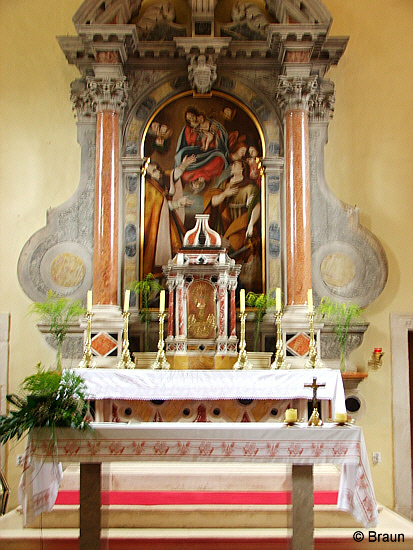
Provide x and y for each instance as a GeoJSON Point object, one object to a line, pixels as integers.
{"type": "Point", "coordinates": [202, 73]}
{"type": "Point", "coordinates": [108, 93]}
{"type": "Point", "coordinates": [296, 92]}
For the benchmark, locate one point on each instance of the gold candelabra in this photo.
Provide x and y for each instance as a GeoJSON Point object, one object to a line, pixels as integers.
{"type": "Point", "coordinates": [125, 361]}
{"type": "Point", "coordinates": [279, 361]}
{"type": "Point", "coordinates": [87, 361]}
{"type": "Point", "coordinates": [161, 361]}
{"type": "Point", "coordinates": [313, 362]}
{"type": "Point", "coordinates": [242, 361]}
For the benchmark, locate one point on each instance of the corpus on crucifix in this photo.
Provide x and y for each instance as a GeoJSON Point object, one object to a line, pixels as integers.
{"type": "Point", "coordinates": [315, 418]}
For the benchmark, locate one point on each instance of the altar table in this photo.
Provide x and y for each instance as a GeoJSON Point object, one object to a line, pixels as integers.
{"type": "Point", "coordinates": [299, 445]}
{"type": "Point", "coordinates": [150, 384]}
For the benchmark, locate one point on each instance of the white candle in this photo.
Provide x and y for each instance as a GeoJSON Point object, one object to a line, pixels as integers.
{"type": "Point", "coordinates": [340, 417]}
{"type": "Point", "coordinates": [291, 415]}
{"type": "Point", "coordinates": [127, 300]}
{"type": "Point", "coordinates": [162, 301]}
{"type": "Point", "coordinates": [310, 299]}
{"type": "Point", "coordinates": [89, 301]}
{"type": "Point", "coordinates": [278, 298]}
{"type": "Point", "coordinates": [242, 300]}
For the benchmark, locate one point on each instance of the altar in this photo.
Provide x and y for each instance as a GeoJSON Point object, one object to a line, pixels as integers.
{"type": "Point", "coordinates": [299, 445]}
{"type": "Point", "coordinates": [118, 392]}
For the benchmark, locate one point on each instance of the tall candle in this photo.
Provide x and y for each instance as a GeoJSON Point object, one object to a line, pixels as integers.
{"type": "Point", "coordinates": [310, 299]}
{"type": "Point", "coordinates": [242, 300]}
{"type": "Point", "coordinates": [162, 301]}
{"type": "Point", "coordinates": [278, 299]}
{"type": "Point", "coordinates": [127, 300]}
{"type": "Point", "coordinates": [89, 301]}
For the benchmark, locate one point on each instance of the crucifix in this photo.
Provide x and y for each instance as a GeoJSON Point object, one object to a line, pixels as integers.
{"type": "Point", "coordinates": [315, 419]}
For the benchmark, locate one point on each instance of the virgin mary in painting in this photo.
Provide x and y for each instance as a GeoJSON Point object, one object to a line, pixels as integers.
{"type": "Point", "coordinates": [207, 171]}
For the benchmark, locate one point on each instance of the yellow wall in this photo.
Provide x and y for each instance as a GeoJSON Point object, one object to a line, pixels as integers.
{"type": "Point", "coordinates": [369, 162]}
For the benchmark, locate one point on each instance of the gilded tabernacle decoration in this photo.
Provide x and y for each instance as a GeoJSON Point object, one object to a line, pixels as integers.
{"type": "Point", "coordinates": [201, 315]}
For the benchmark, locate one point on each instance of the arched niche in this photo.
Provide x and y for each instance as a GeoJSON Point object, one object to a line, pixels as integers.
{"type": "Point", "coordinates": [244, 126]}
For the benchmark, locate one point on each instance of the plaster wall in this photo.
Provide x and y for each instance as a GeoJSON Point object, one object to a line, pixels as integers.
{"type": "Point", "coordinates": [369, 163]}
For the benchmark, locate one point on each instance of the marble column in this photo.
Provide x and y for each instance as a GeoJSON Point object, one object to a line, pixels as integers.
{"type": "Point", "coordinates": [108, 91]}
{"type": "Point", "coordinates": [294, 94]}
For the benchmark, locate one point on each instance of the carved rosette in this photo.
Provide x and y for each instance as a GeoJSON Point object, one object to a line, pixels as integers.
{"type": "Point", "coordinates": [107, 93]}
{"type": "Point", "coordinates": [296, 92]}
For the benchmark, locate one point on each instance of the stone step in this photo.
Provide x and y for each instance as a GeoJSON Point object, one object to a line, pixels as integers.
{"type": "Point", "coordinates": [178, 476]}
{"type": "Point", "coordinates": [14, 537]}
{"type": "Point", "coordinates": [194, 517]}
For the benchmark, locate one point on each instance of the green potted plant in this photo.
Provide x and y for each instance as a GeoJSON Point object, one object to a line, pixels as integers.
{"type": "Point", "coordinates": [48, 399]}
{"type": "Point", "coordinates": [260, 302]}
{"type": "Point", "coordinates": [58, 312]}
{"type": "Point", "coordinates": [342, 316]}
{"type": "Point", "coordinates": [145, 288]}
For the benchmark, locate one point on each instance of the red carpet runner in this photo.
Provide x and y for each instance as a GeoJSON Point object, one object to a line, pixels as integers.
{"type": "Point", "coordinates": [151, 498]}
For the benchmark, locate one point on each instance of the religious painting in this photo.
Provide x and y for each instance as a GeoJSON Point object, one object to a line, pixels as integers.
{"type": "Point", "coordinates": [204, 159]}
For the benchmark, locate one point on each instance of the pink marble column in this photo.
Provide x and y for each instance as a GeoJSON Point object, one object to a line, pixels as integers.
{"type": "Point", "coordinates": [105, 259]}
{"type": "Point", "coordinates": [180, 307]}
{"type": "Point", "coordinates": [298, 217]}
{"type": "Point", "coordinates": [233, 320]}
{"type": "Point", "coordinates": [222, 311]}
{"type": "Point", "coordinates": [171, 311]}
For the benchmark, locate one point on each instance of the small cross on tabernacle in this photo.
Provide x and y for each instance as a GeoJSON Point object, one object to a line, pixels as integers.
{"type": "Point", "coordinates": [315, 387]}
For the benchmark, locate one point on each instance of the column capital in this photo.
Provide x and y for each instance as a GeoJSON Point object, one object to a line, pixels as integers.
{"type": "Point", "coordinates": [107, 93]}
{"type": "Point", "coordinates": [322, 103]}
{"type": "Point", "coordinates": [296, 92]}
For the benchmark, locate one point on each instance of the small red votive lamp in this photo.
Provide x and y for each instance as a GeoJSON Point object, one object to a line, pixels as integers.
{"type": "Point", "coordinates": [377, 350]}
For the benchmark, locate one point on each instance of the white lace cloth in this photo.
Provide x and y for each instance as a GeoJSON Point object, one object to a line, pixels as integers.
{"type": "Point", "coordinates": [213, 384]}
{"type": "Point", "coordinates": [226, 442]}
{"type": "Point", "coordinates": [38, 488]}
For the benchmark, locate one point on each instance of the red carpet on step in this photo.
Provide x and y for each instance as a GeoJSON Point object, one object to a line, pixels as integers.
{"type": "Point", "coordinates": [151, 498]}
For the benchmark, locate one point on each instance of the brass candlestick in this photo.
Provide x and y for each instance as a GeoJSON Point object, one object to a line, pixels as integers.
{"type": "Point", "coordinates": [160, 361]}
{"type": "Point", "coordinates": [279, 361]}
{"type": "Point", "coordinates": [87, 361]}
{"type": "Point", "coordinates": [242, 361]}
{"type": "Point", "coordinates": [313, 362]}
{"type": "Point", "coordinates": [125, 361]}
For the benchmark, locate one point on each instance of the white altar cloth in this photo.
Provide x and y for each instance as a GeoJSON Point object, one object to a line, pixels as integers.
{"type": "Point", "coordinates": [258, 442]}
{"type": "Point", "coordinates": [213, 384]}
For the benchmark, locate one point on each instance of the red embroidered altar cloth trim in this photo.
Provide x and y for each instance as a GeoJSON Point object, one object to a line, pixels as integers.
{"type": "Point", "coordinates": [210, 384]}
{"type": "Point", "coordinates": [176, 441]}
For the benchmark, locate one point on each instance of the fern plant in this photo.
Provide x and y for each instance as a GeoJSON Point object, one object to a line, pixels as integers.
{"type": "Point", "coordinates": [145, 288]}
{"type": "Point", "coordinates": [260, 302]}
{"type": "Point", "coordinates": [47, 399]}
{"type": "Point", "coordinates": [58, 312]}
{"type": "Point", "coordinates": [342, 317]}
